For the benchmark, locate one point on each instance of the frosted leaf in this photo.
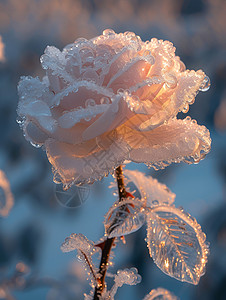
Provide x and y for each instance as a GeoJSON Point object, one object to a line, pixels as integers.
{"type": "Point", "coordinates": [176, 243]}
{"type": "Point", "coordinates": [126, 276]}
{"type": "Point", "coordinates": [6, 196]}
{"type": "Point", "coordinates": [153, 192]}
{"type": "Point", "coordinates": [78, 242]}
{"type": "Point", "coordinates": [124, 218]}
{"type": "Point", "coordinates": [160, 294]}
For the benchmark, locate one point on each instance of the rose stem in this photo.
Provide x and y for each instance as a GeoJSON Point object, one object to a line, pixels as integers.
{"type": "Point", "coordinates": [109, 242]}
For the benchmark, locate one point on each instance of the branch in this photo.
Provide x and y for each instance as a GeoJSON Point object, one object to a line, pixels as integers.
{"type": "Point", "coordinates": [109, 242]}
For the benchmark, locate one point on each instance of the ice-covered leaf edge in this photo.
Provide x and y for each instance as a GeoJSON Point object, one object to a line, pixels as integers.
{"type": "Point", "coordinates": [153, 186]}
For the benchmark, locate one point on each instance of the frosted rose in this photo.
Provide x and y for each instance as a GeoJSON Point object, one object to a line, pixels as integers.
{"type": "Point", "coordinates": [110, 99]}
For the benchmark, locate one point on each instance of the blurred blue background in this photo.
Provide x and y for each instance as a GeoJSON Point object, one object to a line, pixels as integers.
{"type": "Point", "coordinates": [38, 223]}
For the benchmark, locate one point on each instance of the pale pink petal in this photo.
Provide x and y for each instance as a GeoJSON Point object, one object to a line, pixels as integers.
{"type": "Point", "coordinates": [114, 116]}
{"type": "Point", "coordinates": [132, 73]}
{"type": "Point", "coordinates": [77, 93]}
{"type": "Point", "coordinates": [79, 96]}
{"type": "Point", "coordinates": [34, 134]}
{"type": "Point", "coordinates": [54, 60]}
{"type": "Point", "coordinates": [85, 163]}
{"type": "Point", "coordinates": [163, 102]}
{"type": "Point", "coordinates": [120, 59]}
{"type": "Point", "coordinates": [178, 140]}
{"type": "Point", "coordinates": [70, 135]}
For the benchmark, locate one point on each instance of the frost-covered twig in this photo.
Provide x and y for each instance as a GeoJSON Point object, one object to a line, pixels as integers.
{"type": "Point", "coordinates": [109, 242]}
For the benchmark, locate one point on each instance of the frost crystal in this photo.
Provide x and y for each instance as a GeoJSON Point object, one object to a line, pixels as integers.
{"type": "Point", "coordinates": [110, 99]}
{"type": "Point", "coordinates": [126, 276]}
{"type": "Point", "coordinates": [78, 242]}
{"type": "Point", "coordinates": [6, 196]}
{"type": "Point", "coordinates": [85, 249]}
{"type": "Point", "coordinates": [176, 243]}
{"type": "Point", "coordinates": [160, 294]}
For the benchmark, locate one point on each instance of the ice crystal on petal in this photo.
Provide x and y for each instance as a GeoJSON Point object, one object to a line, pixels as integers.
{"type": "Point", "coordinates": [176, 243]}
{"type": "Point", "coordinates": [160, 294]}
{"type": "Point", "coordinates": [151, 191]}
{"type": "Point", "coordinates": [6, 196]}
{"type": "Point", "coordinates": [124, 218]}
{"type": "Point", "coordinates": [107, 93]}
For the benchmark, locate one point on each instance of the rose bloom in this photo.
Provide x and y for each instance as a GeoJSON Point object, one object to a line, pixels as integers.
{"type": "Point", "coordinates": [110, 99]}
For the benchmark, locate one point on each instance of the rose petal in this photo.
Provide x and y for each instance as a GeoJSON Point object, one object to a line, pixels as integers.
{"type": "Point", "coordinates": [114, 116]}
{"type": "Point", "coordinates": [69, 119]}
{"type": "Point", "coordinates": [132, 73]}
{"type": "Point", "coordinates": [34, 134]}
{"type": "Point", "coordinates": [86, 163]}
{"type": "Point", "coordinates": [120, 59]}
{"type": "Point", "coordinates": [76, 94]}
{"type": "Point", "coordinates": [70, 135]}
{"type": "Point", "coordinates": [178, 140]}
{"type": "Point", "coordinates": [163, 102]}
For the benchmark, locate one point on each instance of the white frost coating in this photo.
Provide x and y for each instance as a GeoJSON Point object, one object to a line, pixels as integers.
{"type": "Point", "coordinates": [152, 192]}
{"type": "Point", "coordinates": [176, 243]}
{"type": "Point", "coordinates": [160, 294]}
{"type": "Point", "coordinates": [6, 196]}
{"type": "Point", "coordinates": [126, 276]}
{"type": "Point", "coordinates": [2, 56]}
{"type": "Point", "coordinates": [85, 249]}
{"type": "Point", "coordinates": [78, 242]}
{"type": "Point", "coordinates": [124, 218]}
{"type": "Point", "coordinates": [112, 90]}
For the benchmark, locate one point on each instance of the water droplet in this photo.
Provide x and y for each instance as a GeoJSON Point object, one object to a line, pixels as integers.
{"type": "Point", "coordinates": [87, 119]}
{"type": "Point", "coordinates": [20, 120]}
{"type": "Point", "coordinates": [104, 100]}
{"type": "Point", "coordinates": [129, 34]}
{"type": "Point", "coordinates": [171, 81]}
{"type": "Point", "coordinates": [205, 84]}
{"type": "Point", "coordinates": [79, 42]}
{"type": "Point", "coordinates": [108, 32]}
{"type": "Point", "coordinates": [90, 102]}
{"type": "Point", "coordinates": [120, 91]}
{"type": "Point", "coordinates": [155, 202]}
